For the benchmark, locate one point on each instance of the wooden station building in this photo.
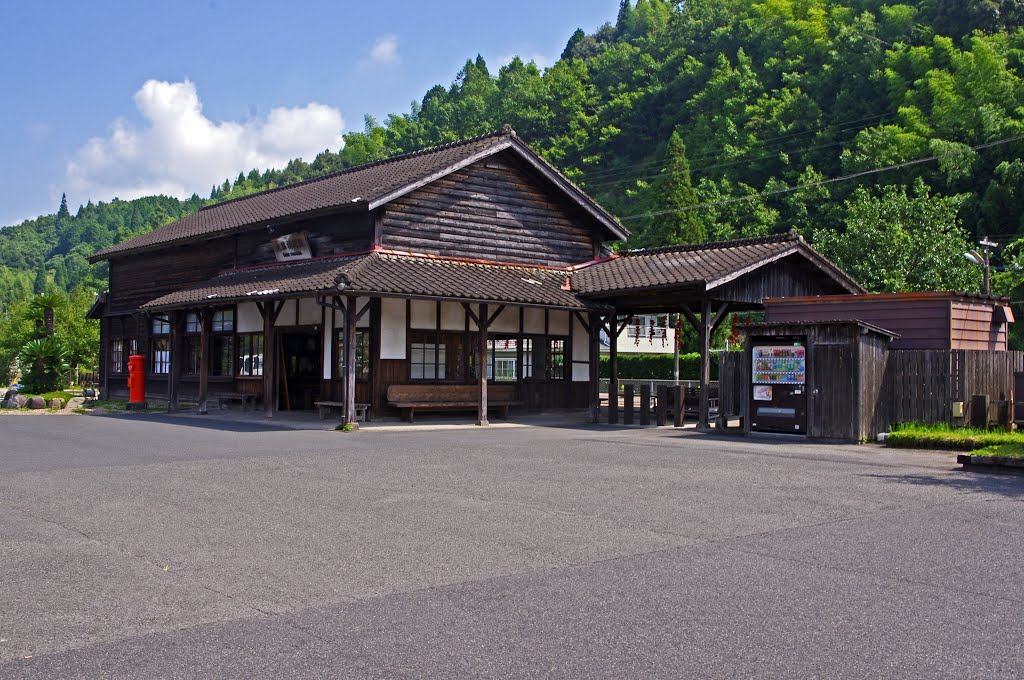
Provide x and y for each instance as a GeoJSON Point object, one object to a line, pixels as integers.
{"type": "Point", "coordinates": [440, 275]}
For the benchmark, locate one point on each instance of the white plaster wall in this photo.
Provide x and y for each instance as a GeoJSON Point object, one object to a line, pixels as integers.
{"type": "Point", "coordinates": [580, 352]}
{"type": "Point", "coordinates": [424, 315]}
{"type": "Point", "coordinates": [309, 312]}
{"type": "Point", "coordinates": [533, 320]}
{"type": "Point", "coordinates": [287, 315]}
{"type": "Point", "coordinates": [507, 321]}
{"type": "Point", "coordinates": [392, 336]}
{"type": "Point", "coordinates": [328, 340]}
{"type": "Point", "coordinates": [558, 322]}
{"type": "Point", "coordinates": [249, 318]}
{"type": "Point", "coordinates": [453, 316]}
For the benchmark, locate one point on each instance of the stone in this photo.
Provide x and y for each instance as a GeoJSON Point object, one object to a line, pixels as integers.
{"type": "Point", "coordinates": [21, 399]}
{"type": "Point", "coordinates": [9, 403]}
{"type": "Point", "coordinates": [10, 393]}
{"type": "Point", "coordinates": [57, 404]}
{"type": "Point", "coordinates": [36, 403]}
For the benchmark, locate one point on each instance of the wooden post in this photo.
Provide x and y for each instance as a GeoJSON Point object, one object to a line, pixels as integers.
{"type": "Point", "coordinates": [627, 405]}
{"type": "Point", "coordinates": [613, 370]}
{"type": "Point", "coordinates": [645, 404]}
{"type": "Point", "coordinates": [351, 313]}
{"type": "Point", "coordinates": [482, 366]}
{"type": "Point", "coordinates": [680, 415]}
{"type": "Point", "coordinates": [705, 365]}
{"type": "Point", "coordinates": [376, 379]}
{"type": "Point", "coordinates": [204, 359]}
{"type": "Point", "coordinates": [662, 414]}
{"type": "Point", "coordinates": [174, 378]}
{"type": "Point", "coordinates": [595, 368]}
{"type": "Point", "coordinates": [268, 364]}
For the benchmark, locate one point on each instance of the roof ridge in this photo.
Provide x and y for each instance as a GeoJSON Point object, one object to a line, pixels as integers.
{"type": "Point", "coordinates": [505, 131]}
{"type": "Point", "coordinates": [384, 252]}
{"type": "Point", "coordinates": [791, 235]}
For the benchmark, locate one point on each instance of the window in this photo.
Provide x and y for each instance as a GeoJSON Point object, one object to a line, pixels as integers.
{"type": "Point", "coordinates": [362, 353]}
{"type": "Point", "coordinates": [544, 358]}
{"type": "Point", "coordinates": [556, 359]}
{"type": "Point", "coordinates": [160, 347]}
{"type": "Point", "coordinates": [161, 327]}
{"type": "Point", "coordinates": [427, 357]}
{"type": "Point", "coordinates": [250, 354]}
{"type": "Point", "coordinates": [501, 359]}
{"type": "Point", "coordinates": [223, 321]}
{"type": "Point", "coordinates": [193, 344]}
{"type": "Point", "coordinates": [120, 350]}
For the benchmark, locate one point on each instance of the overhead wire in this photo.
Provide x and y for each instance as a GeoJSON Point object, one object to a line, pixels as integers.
{"type": "Point", "coordinates": [809, 185]}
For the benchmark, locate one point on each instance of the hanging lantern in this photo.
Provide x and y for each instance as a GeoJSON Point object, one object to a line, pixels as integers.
{"type": "Point", "coordinates": [636, 331]}
{"type": "Point", "coordinates": [650, 331]}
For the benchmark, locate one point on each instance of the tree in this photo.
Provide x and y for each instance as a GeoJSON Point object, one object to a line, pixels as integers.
{"type": "Point", "coordinates": [676, 198]}
{"type": "Point", "coordinates": [899, 241]}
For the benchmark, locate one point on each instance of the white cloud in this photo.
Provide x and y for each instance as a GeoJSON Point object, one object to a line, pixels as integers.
{"type": "Point", "coordinates": [385, 50]}
{"type": "Point", "coordinates": [180, 151]}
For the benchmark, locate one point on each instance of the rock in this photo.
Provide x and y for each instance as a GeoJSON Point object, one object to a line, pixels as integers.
{"type": "Point", "coordinates": [57, 404]}
{"type": "Point", "coordinates": [36, 403]}
{"type": "Point", "coordinates": [10, 393]}
{"type": "Point", "coordinates": [20, 399]}
{"type": "Point", "coordinates": [9, 403]}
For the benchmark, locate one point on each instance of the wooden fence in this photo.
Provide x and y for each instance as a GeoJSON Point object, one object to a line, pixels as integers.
{"type": "Point", "coordinates": [918, 386]}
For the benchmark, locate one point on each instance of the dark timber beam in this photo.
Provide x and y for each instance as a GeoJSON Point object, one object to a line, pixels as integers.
{"type": "Point", "coordinates": [204, 359]}
{"type": "Point", "coordinates": [704, 335]}
{"type": "Point", "coordinates": [351, 318]}
{"type": "Point", "coordinates": [613, 368]}
{"type": "Point", "coordinates": [174, 378]}
{"type": "Point", "coordinates": [594, 330]}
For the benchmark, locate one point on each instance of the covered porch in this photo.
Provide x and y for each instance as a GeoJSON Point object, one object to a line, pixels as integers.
{"type": "Point", "coordinates": [703, 283]}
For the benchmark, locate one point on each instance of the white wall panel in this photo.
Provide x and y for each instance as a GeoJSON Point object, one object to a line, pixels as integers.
{"type": "Point", "coordinates": [392, 337]}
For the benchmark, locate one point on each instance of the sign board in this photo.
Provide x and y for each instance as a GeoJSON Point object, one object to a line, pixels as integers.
{"type": "Point", "coordinates": [291, 247]}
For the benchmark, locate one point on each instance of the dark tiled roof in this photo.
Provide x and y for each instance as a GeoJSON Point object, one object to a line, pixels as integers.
{"type": "Point", "coordinates": [699, 264]}
{"type": "Point", "coordinates": [384, 274]}
{"type": "Point", "coordinates": [276, 281]}
{"type": "Point", "coordinates": [360, 185]}
{"type": "Point", "coordinates": [357, 188]}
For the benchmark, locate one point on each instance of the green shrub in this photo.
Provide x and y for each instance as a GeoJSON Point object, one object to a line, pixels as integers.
{"type": "Point", "coordinates": [658, 367]}
{"type": "Point", "coordinates": [1001, 451]}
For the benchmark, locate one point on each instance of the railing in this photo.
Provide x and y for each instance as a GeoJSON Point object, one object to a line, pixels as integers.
{"type": "Point", "coordinates": [637, 383]}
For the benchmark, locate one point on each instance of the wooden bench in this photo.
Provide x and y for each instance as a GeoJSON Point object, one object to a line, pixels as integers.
{"type": "Point", "coordinates": [408, 398]}
{"type": "Point", "coordinates": [247, 400]}
{"type": "Point", "coordinates": [326, 406]}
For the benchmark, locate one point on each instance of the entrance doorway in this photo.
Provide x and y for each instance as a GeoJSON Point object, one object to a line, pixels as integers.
{"type": "Point", "coordinates": [300, 357]}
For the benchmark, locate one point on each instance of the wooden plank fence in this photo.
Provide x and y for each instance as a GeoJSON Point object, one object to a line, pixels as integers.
{"type": "Point", "coordinates": [918, 386]}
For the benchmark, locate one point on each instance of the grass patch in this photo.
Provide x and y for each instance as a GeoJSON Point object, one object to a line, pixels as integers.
{"type": "Point", "coordinates": [947, 437]}
{"type": "Point", "coordinates": [1001, 451]}
{"type": "Point", "coordinates": [56, 394]}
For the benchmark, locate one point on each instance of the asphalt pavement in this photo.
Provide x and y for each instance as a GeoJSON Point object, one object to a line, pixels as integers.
{"type": "Point", "coordinates": [161, 547]}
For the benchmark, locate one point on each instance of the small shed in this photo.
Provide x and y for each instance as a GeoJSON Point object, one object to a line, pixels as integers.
{"type": "Point", "coordinates": [941, 320]}
{"type": "Point", "coordinates": [821, 379]}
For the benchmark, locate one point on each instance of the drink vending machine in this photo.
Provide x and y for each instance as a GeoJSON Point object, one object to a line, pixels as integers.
{"type": "Point", "coordinates": [779, 391]}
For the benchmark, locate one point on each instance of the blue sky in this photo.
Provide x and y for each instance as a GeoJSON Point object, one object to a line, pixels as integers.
{"type": "Point", "coordinates": [111, 98]}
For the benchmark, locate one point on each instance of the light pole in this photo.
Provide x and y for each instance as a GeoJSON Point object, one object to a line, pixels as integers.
{"type": "Point", "coordinates": [982, 259]}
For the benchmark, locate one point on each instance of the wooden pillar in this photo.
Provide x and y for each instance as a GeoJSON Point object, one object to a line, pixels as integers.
{"type": "Point", "coordinates": [482, 372]}
{"type": "Point", "coordinates": [613, 369]}
{"type": "Point", "coordinates": [177, 358]}
{"type": "Point", "coordinates": [104, 365]}
{"type": "Point", "coordinates": [204, 359]}
{"type": "Point", "coordinates": [627, 405]}
{"type": "Point", "coordinates": [268, 358]}
{"type": "Point", "coordinates": [350, 361]}
{"type": "Point", "coordinates": [705, 364]}
{"type": "Point", "coordinates": [645, 404]}
{"type": "Point", "coordinates": [595, 368]}
{"type": "Point", "coordinates": [376, 379]}
{"type": "Point", "coordinates": [662, 413]}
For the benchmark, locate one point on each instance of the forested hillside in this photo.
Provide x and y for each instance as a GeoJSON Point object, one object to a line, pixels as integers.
{"type": "Point", "coordinates": [890, 134]}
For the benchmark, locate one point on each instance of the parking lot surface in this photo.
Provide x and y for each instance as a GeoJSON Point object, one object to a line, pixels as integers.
{"type": "Point", "coordinates": [153, 546]}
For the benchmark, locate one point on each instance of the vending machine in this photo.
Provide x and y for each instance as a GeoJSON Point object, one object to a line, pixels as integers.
{"type": "Point", "coordinates": [779, 392]}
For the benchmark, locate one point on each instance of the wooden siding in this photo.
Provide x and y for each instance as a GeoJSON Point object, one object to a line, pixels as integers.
{"type": "Point", "coordinates": [139, 278]}
{"type": "Point", "coordinates": [972, 327]}
{"type": "Point", "coordinates": [791, 276]}
{"type": "Point", "coordinates": [493, 210]}
{"type": "Point", "coordinates": [922, 324]}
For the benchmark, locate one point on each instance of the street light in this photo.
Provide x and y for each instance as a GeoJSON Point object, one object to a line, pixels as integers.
{"type": "Point", "coordinates": [982, 259]}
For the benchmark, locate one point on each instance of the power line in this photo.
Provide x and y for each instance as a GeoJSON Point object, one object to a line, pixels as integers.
{"type": "Point", "coordinates": [599, 174]}
{"type": "Point", "coordinates": [833, 180]}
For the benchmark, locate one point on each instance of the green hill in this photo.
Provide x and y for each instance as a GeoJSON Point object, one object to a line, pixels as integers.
{"type": "Point", "coordinates": [889, 134]}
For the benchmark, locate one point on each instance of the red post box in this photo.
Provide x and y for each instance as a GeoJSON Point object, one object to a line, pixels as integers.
{"type": "Point", "coordinates": [136, 382]}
